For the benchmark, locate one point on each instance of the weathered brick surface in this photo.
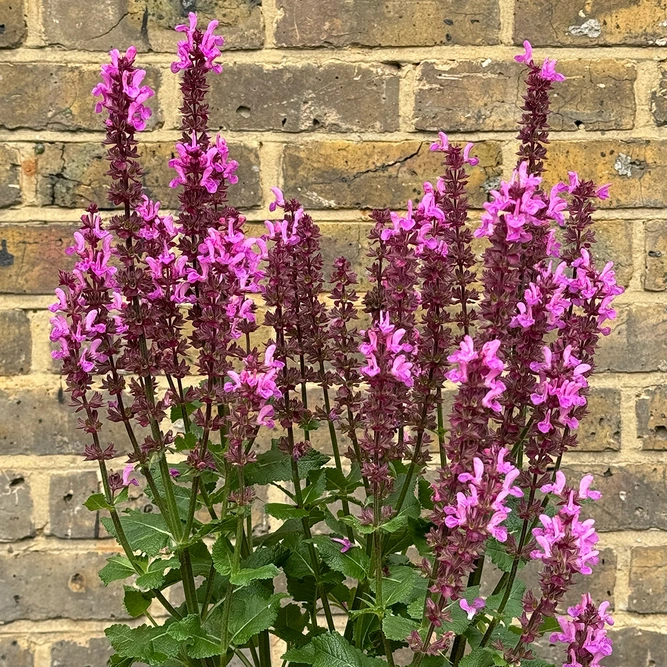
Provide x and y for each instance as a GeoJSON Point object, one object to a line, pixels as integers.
{"type": "Point", "coordinates": [10, 187]}
{"type": "Point", "coordinates": [343, 174]}
{"type": "Point", "coordinates": [651, 410]}
{"type": "Point", "coordinates": [48, 96]}
{"type": "Point", "coordinates": [31, 255]}
{"type": "Point", "coordinates": [614, 244]}
{"type": "Point", "coordinates": [648, 580]}
{"type": "Point", "coordinates": [14, 654]}
{"type": "Point", "coordinates": [40, 585]}
{"type": "Point", "coordinates": [462, 96]}
{"type": "Point", "coordinates": [595, 23]}
{"type": "Point", "coordinates": [600, 430]}
{"type": "Point", "coordinates": [624, 349]}
{"type": "Point", "coordinates": [386, 22]}
{"type": "Point", "coordinates": [635, 496]}
{"type": "Point", "coordinates": [72, 175]}
{"type": "Point", "coordinates": [95, 653]}
{"type": "Point", "coordinates": [36, 420]}
{"type": "Point", "coordinates": [337, 97]}
{"type": "Point", "coordinates": [16, 342]}
{"type": "Point", "coordinates": [15, 507]}
{"type": "Point", "coordinates": [13, 23]}
{"type": "Point", "coordinates": [68, 517]}
{"type": "Point", "coordinates": [635, 168]}
{"type": "Point", "coordinates": [121, 23]}
{"type": "Point", "coordinates": [655, 277]}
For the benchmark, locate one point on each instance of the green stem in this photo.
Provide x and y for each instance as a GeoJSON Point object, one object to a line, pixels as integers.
{"type": "Point", "coordinates": [377, 557]}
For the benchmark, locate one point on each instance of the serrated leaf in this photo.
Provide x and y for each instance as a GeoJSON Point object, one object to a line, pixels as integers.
{"type": "Point", "coordinates": [536, 662]}
{"type": "Point", "coordinates": [478, 657]}
{"type": "Point", "coordinates": [398, 627]}
{"type": "Point", "coordinates": [283, 512]}
{"type": "Point", "coordinates": [135, 602]}
{"type": "Point", "coordinates": [315, 489]}
{"type": "Point", "coordinates": [353, 563]}
{"type": "Point", "coordinates": [399, 585]}
{"type": "Point", "coordinates": [117, 568]}
{"type": "Point", "coordinates": [246, 576]}
{"type": "Point", "coordinates": [222, 556]}
{"type": "Point", "coordinates": [398, 522]}
{"type": "Point", "coordinates": [149, 644]}
{"type": "Point", "coordinates": [332, 650]}
{"type": "Point", "coordinates": [147, 533]}
{"type": "Point", "coordinates": [298, 565]}
{"type": "Point", "coordinates": [499, 557]}
{"type": "Point", "coordinates": [155, 574]}
{"type": "Point", "coordinates": [97, 502]}
{"type": "Point", "coordinates": [304, 655]}
{"type": "Point", "coordinates": [513, 607]}
{"type": "Point", "coordinates": [361, 528]}
{"type": "Point", "coordinates": [198, 643]}
{"type": "Point", "coordinates": [290, 624]}
{"type": "Point", "coordinates": [253, 609]}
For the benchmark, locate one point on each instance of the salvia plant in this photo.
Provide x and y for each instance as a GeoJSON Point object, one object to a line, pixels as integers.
{"type": "Point", "coordinates": [224, 357]}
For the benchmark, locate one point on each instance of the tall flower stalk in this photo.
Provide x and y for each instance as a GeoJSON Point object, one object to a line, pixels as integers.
{"type": "Point", "coordinates": [227, 358]}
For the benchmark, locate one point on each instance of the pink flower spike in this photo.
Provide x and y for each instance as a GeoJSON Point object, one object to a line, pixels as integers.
{"type": "Point", "coordinates": [173, 472]}
{"type": "Point", "coordinates": [472, 161]}
{"type": "Point", "coordinates": [585, 491]}
{"type": "Point", "coordinates": [442, 144]}
{"type": "Point", "coordinates": [127, 479]}
{"type": "Point", "coordinates": [603, 191]}
{"type": "Point", "coordinates": [280, 199]}
{"type": "Point", "coordinates": [347, 544]}
{"type": "Point", "coordinates": [471, 608]}
{"type": "Point", "coordinates": [549, 72]}
{"type": "Point", "coordinates": [527, 56]}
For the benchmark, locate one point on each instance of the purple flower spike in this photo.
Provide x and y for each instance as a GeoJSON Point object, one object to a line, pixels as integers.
{"type": "Point", "coordinates": [346, 543]}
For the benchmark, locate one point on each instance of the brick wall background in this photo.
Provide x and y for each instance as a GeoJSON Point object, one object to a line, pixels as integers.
{"type": "Point", "coordinates": [336, 100]}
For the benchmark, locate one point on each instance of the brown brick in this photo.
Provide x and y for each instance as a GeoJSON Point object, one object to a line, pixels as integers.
{"type": "Point", "coordinates": [12, 654]}
{"type": "Point", "coordinates": [625, 349]}
{"type": "Point", "coordinates": [633, 496]}
{"type": "Point", "coordinates": [337, 97]}
{"type": "Point", "coordinates": [37, 420]}
{"type": "Point", "coordinates": [241, 21]}
{"type": "Point", "coordinates": [651, 409]}
{"type": "Point", "coordinates": [10, 187]}
{"type": "Point", "coordinates": [635, 168]}
{"type": "Point", "coordinates": [469, 96]}
{"type": "Point", "coordinates": [31, 255]}
{"type": "Point", "coordinates": [68, 517]}
{"type": "Point", "coordinates": [569, 22]}
{"type": "Point", "coordinates": [73, 175]}
{"type": "Point", "coordinates": [386, 22]}
{"type": "Point", "coordinates": [344, 174]}
{"type": "Point", "coordinates": [94, 653]}
{"type": "Point", "coordinates": [15, 507]}
{"type": "Point", "coordinates": [48, 96]}
{"type": "Point", "coordinates": [600, 430]}
{"type": "Point", "coordinates": [655, 278]}
{"type": "Point", "coordinates": [648, 580]}
{"type": "Point", "coordinates": [614, 244]}
{"type": "Point", "coordinates": [121, 23]}
{"type": "Point", "coordinates": [40, 585]}
{"type": "Point", "coordinates": [16, 342]}
{"type": "Point", "coordinates": [600, 584]}
{"type": "Point", "coordinates": [13, 20]}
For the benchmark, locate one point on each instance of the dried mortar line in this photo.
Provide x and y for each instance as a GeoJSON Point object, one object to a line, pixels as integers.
{"type": "Point", "coordinates": [271, 13]}
{"type": "Point", "coordinates": [407, 97]}
{"type": "Point", "coordinates": [323, 54]}
{"type": "Point", "coordinates": [646, 83]}
{"type": "Point", "coordinates": [506, 33]}
{"type": "Point", "coordinates": [33, 16]}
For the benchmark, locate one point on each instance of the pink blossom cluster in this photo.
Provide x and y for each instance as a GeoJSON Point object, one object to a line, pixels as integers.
{"type": "Point", "coordinates": [585, 633]}
{"type": "Point", "coordinates": [121, 79]}
{"type": "Point", "coordinates": [383, 340]}
{"type": "Point", "coordinates": [462, 515]}
{"type": "Point", "coordinates": [197, 44]}
{"type": "Point", "coordinates": [564, 540]}
{"type": "Point", "coordinates": [488, 365]}
{"type": "Point", "coordinates": [548, 71]}
{"type": "Point", "coordinates": [211, 166]}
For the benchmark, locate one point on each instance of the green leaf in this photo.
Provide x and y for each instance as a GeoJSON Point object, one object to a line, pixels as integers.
{"type": "Point", "coordinates": [398, 522]}
{"type": "Point", "coordinates": [499, 557]}
{"type": "Point", "coordinates": [536, 662]}
{"type": "Point", "coordinates": [478, 657]}
{"type": "Point", "coordinates": [514, 607]}
{"type": "Point", "coordinates": [117, 568]}
{"type": "Point", "coordinates": [398, 627]}
{"type": "Point", "coordinates": [150, 644]}
{"type": "Point", "coordinates": [290, 624]}
{"type": "Point", "coordinates": [425, 494]}
{"type": "Point", "coordinates": [282, 511]}
{"type": "Point", "coordinates": [332, 650]}
{"type": "Point", "coordinates": [199, 643]}
{"type": "Point", "coordinates": [304, 655]}
{"type": "Point", "coordinates": [298, 565]}
{"type": "Point", "coordinates": [353, 563]}
{"type": "Point", "coordinates": [97, 502]}
{"type": "Point", "coordinates": [361, 528]}
{"type": "Point", "coordinates": [253, 609]}
{"type": "Point", "coordinates": [399, 585]}
{"type": "Point", "coordinates": [135, 602]}
{"type": "Point", "coordinates": [246, 576]}
{"type": "Point", "coordinates": [315, 490]}
{"type": "Point", "coordinates": [147, 533]}
{"type": "Point", "coordinates": [155, 574]}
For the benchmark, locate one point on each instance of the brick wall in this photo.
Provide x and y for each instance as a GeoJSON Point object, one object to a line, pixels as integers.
{"type": "Point", "coordinates": [337, 100]}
